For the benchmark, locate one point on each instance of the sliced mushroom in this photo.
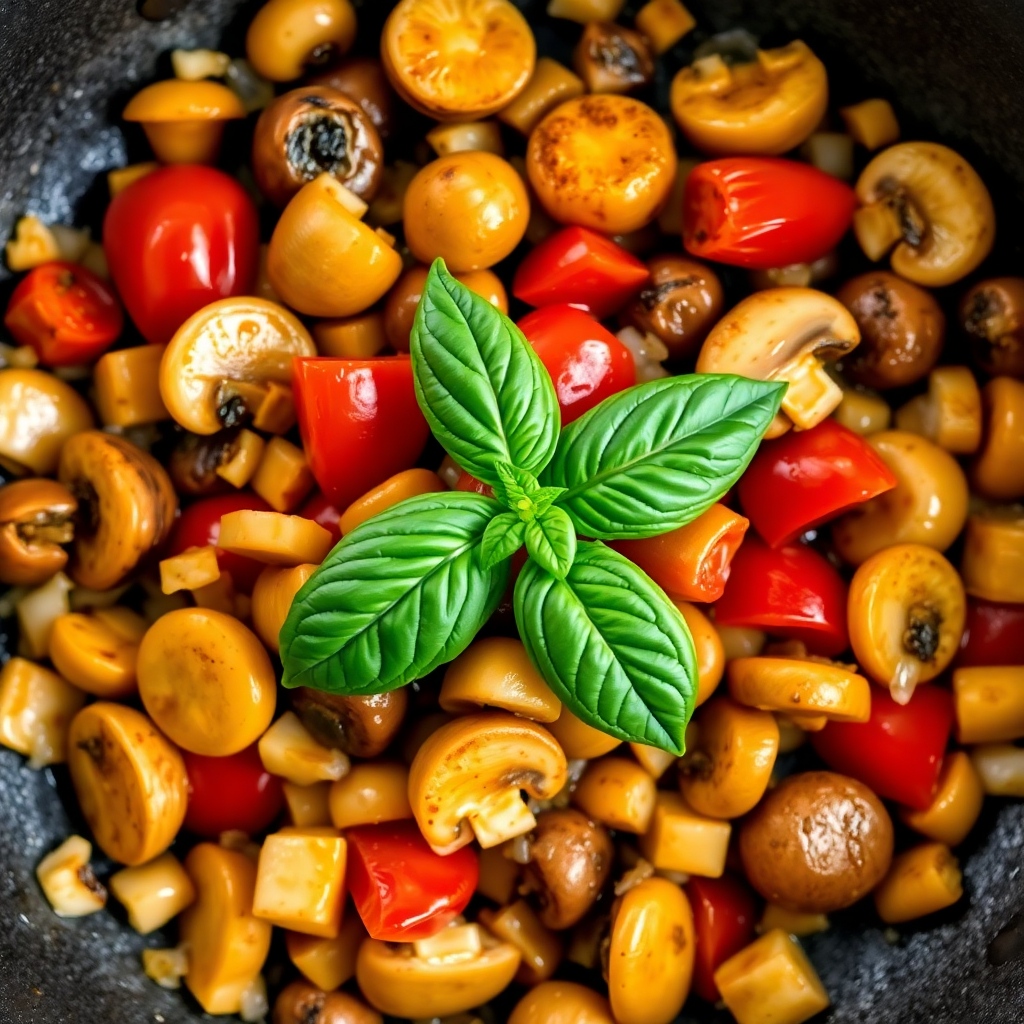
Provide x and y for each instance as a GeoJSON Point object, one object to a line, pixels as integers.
{"type": "Point", "coordinates": [194, 462]}
{"type": "Point", "coordinates": [785, 334]}
{"type": "Point", "coordinates": [360, 726]}
{"type": "Point", "coordinates": [35, 520]}
{"type": "Point", "coordinates": [611, 58]}
{"type": "Point", "coordinates": [219, 365]}
{"type": "Point", "coordinates": [303, 1003]}
{"type": "Point", "coordinates": [466, 779]}
{"type": "Point", "coordinates": [126, 506]}
{"type": "Point", "coordinates": [928, 202]}
{"type": "Point", "coordinates": [992, 314]}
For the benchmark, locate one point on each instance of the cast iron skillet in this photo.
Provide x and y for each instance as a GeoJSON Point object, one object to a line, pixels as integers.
{"type": "Point", "coordinates": [956, 68]}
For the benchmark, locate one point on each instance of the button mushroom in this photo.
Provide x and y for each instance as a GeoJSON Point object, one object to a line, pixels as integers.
{"type": "Point", "coordinates": [466, 779]}
{"type": "Point", "coordinates": [287, 36]}
{"type": "Point", "coordinates": [611, 58]}
{"type": "Point", "coordinates": [570, 858]}
{"type": "Point", "coordinates": [35, 520]}
{"type": "Point", "coordinates": [363, 79]}
{"type": "Point", "coordinates": [992, 315]}
{"type": "Point", "coordinates": [302, 1003]}
{"type": "Point", "coordinates": [785, 334]}
{"type": "Point", "coordinates": [126, 506]}
{"type": "Point", "coordinates": [360, 726]}
{"type": "Point", "coordinates": [929, 203]}
{"type": "Point", "coordinates": [195, 459]}
{"type": "Point", "coordinates": [220, 364]}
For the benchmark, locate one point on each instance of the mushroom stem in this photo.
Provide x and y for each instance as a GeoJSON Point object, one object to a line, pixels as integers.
{"type": "Point", "coordinates": [905, 679]}
{"type": "Point", "coordinates": [812, 393]}
{"type": "Point", "coordinates": [500, 817]}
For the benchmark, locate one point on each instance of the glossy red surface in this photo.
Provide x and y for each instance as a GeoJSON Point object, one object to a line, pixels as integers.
{"type": "Point", "coordinates": [993, 634]}
{"type": "Point", "coordinates": [323, 512]}
{"type": "Point", "coordinates": [723, 920]}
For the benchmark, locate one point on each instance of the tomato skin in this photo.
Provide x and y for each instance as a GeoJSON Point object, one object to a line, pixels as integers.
{"type": "Point", "coordinates": [65, 312]}
{"type": "Point", "coordinates": [898, 752]}
{"type": "Point", "coordinates": [401, 888]}
{"type": "Point", "coordinates": [580, 267]}
{"type": "Point", "coordinates": [177, 240]}
{"type": "Point", "coordinates": [764, 212]}
{"type": "Point", "coordinates": [993, 634]}
{"type": "Point", "coordinates": [807, 477]}
{"type": "Point", "coordinates": [723, 919]}
{"type": "Point", "coordinates": [234, 792]}
{"type": "Point", "coordinates": [791, 591]}
{"type": "Point", "coordinates": [468, 482]}
{"type": "Point", "coordinates": [587, 363]}
{"type": "Point", "coordinates": [359, 421]}
{"type": "Point", "coordinates": [199, 525]}
{"type": "Point", "coordinates": [321, 511]}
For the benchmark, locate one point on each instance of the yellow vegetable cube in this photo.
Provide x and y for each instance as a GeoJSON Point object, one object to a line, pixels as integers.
{"type": "Point", "coordinates": [920, 881]}
{"type": "Point", "coordinates": [989, 703]}
{"type": "Point", "coordinates": [153, 893]}
{"type": "Point", "coordinates": [307, 805]}
{"type": "Point", "coordinates": [371, 792]}
{"type": "Point", "coordinates": [552, 84]}
{"type": "Point", "coordinates": [680, 839]}
{"type": "Point", "coordinates": [283, 478]}
{"type": "Point", "coordinates": [327, 963]}
{"type": "Point", "coordinates": [36, 708]}
{"type": "Point", "coordinates": [1000, 766]}
{"type": "Point", "coordinates": [352, 337]}
{"type": "Point", "coordinates": [664, 22]}
{"type": "Point", "coordinates": [241, 467]}
{"type": "Point", "coordinates": [128, 386]}
{"type": "Point", "coordinates": [68, 881]}
{"type": "Point", "coordinates": [872, 123]}
{"type": "Point", "coordinates": [273, 537]}
{"type": "Point", "coordinates": [791, 921]}
{"type": "Point", "coordinates": [192, 569]}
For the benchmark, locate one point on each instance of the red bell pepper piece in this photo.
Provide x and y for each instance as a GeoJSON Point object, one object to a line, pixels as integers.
{"type": "Point", "coordinates": [580, 267]}
{"type": "Point", "coordinates": [359, 421]}
{"type": "Point", "coordinates": [807, 477]}
{"type": "Point", "coordinates": [993, 634]}
{"type": "Point", "coordinates": [401, 888]}
{"type": "Point", "coordinates": [790, 591]}
{"type": "Point", "coordinates": [323, 513]}
{"type": "Point", "coordinates": [763, 212]}
{"type": "Point", "coordinates": [587, 363]}
{"type": "Point", "coordinates": [898, 751]}
{"type": "Point", "coordinates": [723, 920]}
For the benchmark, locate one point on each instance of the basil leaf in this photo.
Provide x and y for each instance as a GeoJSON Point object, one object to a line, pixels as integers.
{"type": "Point", "coordinates": [503, 537]}
{"type": "Point", "coordinates": [551, 541]}
{"type": "Point", "coordinates": [484, 391]}
{"type": "Point", "coordinates": [611, 646]}
{"type": "Point", "coordinates": [401, 594]}
{"type": "Point", "coordinates": [514, 486]}
{"type": "Point", "coordinates": [651, 459]}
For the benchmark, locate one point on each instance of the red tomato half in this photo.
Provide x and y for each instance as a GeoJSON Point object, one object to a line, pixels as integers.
{"type": "Point", "coordinates": [807, 477]}
{"type": "Point", "coordinates": [199, 525]}
{"type": "Point", "coordinates": [177, 240]}
{"type": "Point", "coordinates": [401, 888]}
{"type": "Point", "coordinates": [322, 512]}
{"type": "Point", "coordinates": [468, 482]}
{"type": "Point", "coordinates": [580, 267]}
{"type": "Point", "coordinates": [359, 421]}
{"type": "Point", "coordinates": [65, 312]}
{"type": "Point", "coordinates": [993, 634]}
{"type": "Point", "coordinates": [587, 362]}
{"type": "Point", "coordinates": [763, 212]}
{"type": "Point", "coordinates": [898, 752]}
{"type": "Point", "coordinates": [723, 920]}
{"type": "Point", "coordinates": [791, 591]}
{"type": "Point", "coordinates": [234, 792]}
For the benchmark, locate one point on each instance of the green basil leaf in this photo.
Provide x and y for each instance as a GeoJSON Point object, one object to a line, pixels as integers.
{"type": "Point", "coordinates": [651, 459]}
{"type": "Point", "coordinates": [551, 541]}
{"type": "Point", "coordinates": [484, 391]}
{"type": "Point", "coordinates": [543, 498]}
{"type": "Point", "coordinates": [401, 594]}
{"type": "Point", "coordinates": [514, 486]}
{"type": "Point", "coordinates": [503, 537]}
{"type": "Point", "coordinates": [611, 646]}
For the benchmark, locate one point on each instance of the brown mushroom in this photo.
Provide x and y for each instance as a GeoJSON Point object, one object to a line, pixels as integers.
{"type": "Point", "coordinates": [35, 520]}
{"type": "Point", "coordinates": [363, 79]}
{"type": "Point", "coordinates": [901, 327]}
{"type": "Point", "coordinates": [817, 843]}
{"type": "Point", "coordinates": [311, 131]}
{"type": "Point", "coordinates": [195, 459]}
{"type": "Point", "coordinates": [611, 58]}
{"type": "Point", "coordinates": [570, 857]}
{"type": "Point", "coordinates": [680, 305]}
{"type": "Point", "coordinates": [992, 314]}
{"type": "Point", "coordinates": [303, 1003]}
{"type": "Point", "coordinates": [360, 726]}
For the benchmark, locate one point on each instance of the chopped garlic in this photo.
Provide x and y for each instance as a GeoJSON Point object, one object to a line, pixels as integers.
{"type": "Point", "coordinates": [68, 881]}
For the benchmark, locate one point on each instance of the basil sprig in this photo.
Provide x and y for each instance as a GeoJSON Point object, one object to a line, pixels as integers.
{"type": "Point", "coordinates": [407, 590]}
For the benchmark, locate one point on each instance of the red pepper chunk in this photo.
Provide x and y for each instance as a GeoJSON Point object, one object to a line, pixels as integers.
{"type": "Point", "coordinates": [401, 888]}
{"type": "Point", "coordinates": [993, 634]}
{"type": "Point", "coordinates": [359, 421]}
{"type": "Point", "coordinates": [807, 477]}
{"type": "Point", "coordinates": [723, 920]}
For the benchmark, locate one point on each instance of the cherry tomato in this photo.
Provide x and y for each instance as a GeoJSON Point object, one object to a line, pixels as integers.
{"type": "Point", "coordinates": [587, 362]}
{"type": "Point", "coordinates": [993, 634]}
{"type": "Point", "coordinates": [791, 591]}
{"type": "Point", "coordinates": [763, 212]}
{"type": "Point", "coordinates": [723, 920]}
{"type": "Point", "coordinates": [234, 792]}
{"type": "Point", "coordinates": [580, 267]}
{"type": "Point", "coordinates": [321, 511]}
{"type": "Point", "coordinates": [178, 239]}
{"type": "Point", "coordinates": [807, 477]}
{"type": "Point", "coordinates": [65, 312]}
{"type": "Point", "coordinates": [898, 752]}
{"type": "Point", "coordinates": [359, 421]}
{"type": "Point", "coordinates": [401, 888]}
{"type": "Point", "coordinates": [468, 482]}
{"type": "Point", "coordinates": [199, 525]}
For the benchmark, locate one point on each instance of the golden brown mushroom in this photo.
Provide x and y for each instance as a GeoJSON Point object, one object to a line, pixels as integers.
{"type": "Point", "coordinates": [35, 520]}
{"type": "Point", "coordinates": [360, 726]}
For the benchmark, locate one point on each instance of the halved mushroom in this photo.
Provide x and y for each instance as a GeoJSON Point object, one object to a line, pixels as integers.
{"type": "Point", "coordinates": [466, 779]}
{"type": "Point", "coordinates": [219, 365]}
{"type": "Point", "coordinates": [126, 506]}
{"type": "Point", "coordinates": [992, 314]}
{"type": "Point", "coordinates": [35, 520]}
{"type": "Point", "coordinates": [928, 202]}
{"type": "Point", "coordinates": [785, 334]}
{"type": "Point", "coordinates": [360, 726]}
{"type": "Point", "coordinates": [68, 881]}
{"type": "Point", "coordinates": [194, 462]}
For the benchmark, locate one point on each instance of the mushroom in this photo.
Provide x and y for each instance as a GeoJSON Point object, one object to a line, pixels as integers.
{"type": "Point", "coordinates": [126, 506]}
{"type": "Point", "coordinates": [195, 459]}
{"type": "Point", "coordinates": [612, 58]}
{"type": "Point", "coordinates": [35, 520]}
{"type": "Point", "coordinates": [360, 726]}
{"type": "Point", "coordinates": [570, 858]}
{"type": "Point", "coordinates": [315, 130]}
{"type": "Point", "coordinates": [561, 1002]}
{"type": "Point", "coordinates": [272, 596]}
{"type": "Point", "coordinates": [992, 315]}
{"type": "Point", "coordinates": [287, 36]}
{"type": "Point", "coordinates": [997, 471]}
{"type": "Point", "coordinates": [218, 369]}
{"type": "Point", "coordinates": [68, 880]}
{"type": "Point", "coordinates": [785, 334]}
{"type": "Point", "coordinates": [98, 652]}
{"type": "Point", "coordinates": [36, 710]}
{"type": "Point", "coordinates": [466, 779]}
{"type": "Point", "coordinates": [363, 79]}
{"type": "Point", "coordinates": [929, 203]}
{"type": "Point", "coordinates": [949, 414]}
{"type": "Point", "coordinates": [184, 121]}
{"type": "Point", "coordinates": [303, 1003]}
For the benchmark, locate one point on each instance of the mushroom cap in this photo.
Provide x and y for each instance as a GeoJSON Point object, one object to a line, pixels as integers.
{"type": "Point", "coordinates": [176, 100]}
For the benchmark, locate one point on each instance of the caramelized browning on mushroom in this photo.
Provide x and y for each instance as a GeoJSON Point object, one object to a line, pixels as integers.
{"type": "Point", "coordinates": [360, 726]}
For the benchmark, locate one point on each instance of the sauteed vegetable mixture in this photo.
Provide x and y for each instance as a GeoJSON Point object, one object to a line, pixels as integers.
{"type": "Point", "coordinates": [359, 611]}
